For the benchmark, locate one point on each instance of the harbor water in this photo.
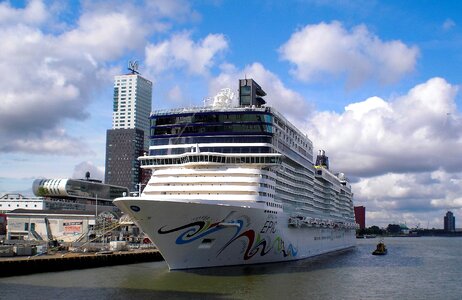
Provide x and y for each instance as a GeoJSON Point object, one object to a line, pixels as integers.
{"type": "Point", "coordinates": [414, 268]}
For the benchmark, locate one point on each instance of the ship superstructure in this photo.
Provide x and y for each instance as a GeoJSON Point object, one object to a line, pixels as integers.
{"type": "Point", "coordinates": [238, 185]}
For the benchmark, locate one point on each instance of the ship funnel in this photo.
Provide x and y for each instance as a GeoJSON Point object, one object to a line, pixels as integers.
{"type": "Point", "coordinates": [322, 160]}
{"type": "Point", "coordinates": [250, 93]}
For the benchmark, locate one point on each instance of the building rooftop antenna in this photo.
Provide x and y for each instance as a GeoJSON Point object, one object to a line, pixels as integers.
{"type": "Point", "coordinates": [133, 66]}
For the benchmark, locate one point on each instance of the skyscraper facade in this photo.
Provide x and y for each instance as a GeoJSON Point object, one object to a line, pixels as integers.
{"type": "Point", "coordinates": [132, 103]}
{"type": "Point", "coordinates": [449, 222]}
{"type": "Point", "coordinates": [129, 136]}
{"type": "Point", "coordinates": [123, 147]}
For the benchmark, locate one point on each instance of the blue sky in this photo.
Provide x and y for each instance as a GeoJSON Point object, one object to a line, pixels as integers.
{"type": "Point", "coordinates": [374, 83]}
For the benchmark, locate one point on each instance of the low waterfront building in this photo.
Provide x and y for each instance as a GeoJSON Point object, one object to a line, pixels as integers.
{"type": "Point", "coordinates": [62, 225]}
{"type": "Point", "coordinates": [65, 194]}
{"type": "Point", "coordinates": [11, 202]}
{"type": "Point", "coordinates": [85, 191]}
{"type": "Point", "coordinates": [48, 225]}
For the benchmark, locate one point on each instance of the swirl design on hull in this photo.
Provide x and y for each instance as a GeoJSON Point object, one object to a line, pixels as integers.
{"type": "Point", "coordinates": [255, 243]}
{"type": "Point", "coordinates": [196, 230]}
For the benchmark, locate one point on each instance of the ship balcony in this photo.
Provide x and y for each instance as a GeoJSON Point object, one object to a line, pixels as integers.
{"type": "Point", "coordinates": [221, 179]}
{"type": "Point", "coordinates": [205, 188]}
{"type": "Point", "coordinates": [210, 158]}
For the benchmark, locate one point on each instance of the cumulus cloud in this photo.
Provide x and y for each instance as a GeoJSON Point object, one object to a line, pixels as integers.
{"type": "Point", "coordinates": [50, 78]}
{"type": "Point", "coordinates": [287, 101]}
{"type": "Point", "coordinates": [47, 141]}
{"type": "Point", "coordinates": [402, 153]}
{"type": "Point", "coordinates": [329, 48]}
{"type": "Point", "coordinates": [413, 197]}
{"type": "Point", "coordinates": [105, 36]}
{"type": "Point", "coordinates": [180, 51]}
{"type": "Point", "coordinates": [417, 132]}
{"type": "Point", "coordinates": [34, 13]}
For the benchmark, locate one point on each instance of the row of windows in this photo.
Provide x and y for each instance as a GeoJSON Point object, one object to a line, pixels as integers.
{"type": "Point", "coordinates": [268, 186]}
{"type": "Point", "coordinates": [264, 194]}
{"type": "Point", "coordinates": [291, 134]}
{"type": "Point", "coordinates": [220, 128]}
{"type": "Point", "coordinates": [209, 159]}
{"type": "Point", "coordinates": [211, 118]}
{"type": "Point", "coordinates": [272, 204]}
{"type": "Point", "coordinates": [17, 205]}
{"type": "Point", "coordinates": [210, 139]}
{"type": "Point", "coordinates": [212, 149]}
{"type": "Point", "coordinates": [203, 193]}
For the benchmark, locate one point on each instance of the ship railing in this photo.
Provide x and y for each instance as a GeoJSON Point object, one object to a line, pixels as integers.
{"type": "Point", "coordinates": [210, 158]}
{"type": "Point", "coordinates": [196, 109]}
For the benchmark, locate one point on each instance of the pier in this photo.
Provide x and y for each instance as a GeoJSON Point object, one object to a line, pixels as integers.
{"type": "Point", "coordinates": [13, 266]}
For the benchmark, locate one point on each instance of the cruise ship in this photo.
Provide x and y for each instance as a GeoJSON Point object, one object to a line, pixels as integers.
{"type": "Point", "coordinates": [237, 185]}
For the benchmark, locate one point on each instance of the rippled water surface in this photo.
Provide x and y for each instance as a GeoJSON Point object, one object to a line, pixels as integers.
{"type": "Point", "coordinates": [415, 268]}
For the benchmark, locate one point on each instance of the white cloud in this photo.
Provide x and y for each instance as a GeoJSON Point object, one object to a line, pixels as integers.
{"type": "Point", "coordinates": [287, 101]}
{"type": "Point", "coordinates": [359, 55]}
{"type": "Point", "coordinates": [448, 24]}
{"type": "Point", "coordinates": [105, 36]}
{"type": "Point", "coordinates": [420, 131]}
{"type": "Point", "coordinates": [403, 153]}
{"type": "Point", "coordinates": [35, 13]}
{"type": "Point", "coordinates": [47, 142]}
{"type": "Point", "coordinates": [412, 197]}
{"type": "Point", "coordinates": [180, 51]}
{"type": "Point", "coordinates": [53, 77]}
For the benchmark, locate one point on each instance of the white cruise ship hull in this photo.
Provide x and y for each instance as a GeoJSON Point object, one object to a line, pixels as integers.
{"type": "Point", "coordinates": [198, 234]}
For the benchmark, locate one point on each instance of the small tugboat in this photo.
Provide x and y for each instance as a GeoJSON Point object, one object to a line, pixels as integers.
{"type": "Point", "coordinates": [381, 249]}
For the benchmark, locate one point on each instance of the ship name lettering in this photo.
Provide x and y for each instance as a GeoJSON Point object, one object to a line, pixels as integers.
{"type": "Point", "coordinates": [269, 226]}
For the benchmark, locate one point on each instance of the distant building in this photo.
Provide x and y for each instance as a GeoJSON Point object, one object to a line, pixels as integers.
{"type": "Point", "coordinates": [132, 103]}
{"type": "Point", "coordinates": [360, 216]}
{"type": "Point", "coordinates": [449, 222]}
{"type": "Point", "coordinates": [2, 224]}
{"type": "Point", "coordinates": [10, 202]}
{"type": "Point", "coordinates": [87, 190]}
{"type": "Point", "coordinates": [46, 225]}
{"type": "Point", "coordinates": [65, 194]}
{"type": "Point", "coordinates": [129, 137]}
{"type": "Point", "coordinates": [123, 147]}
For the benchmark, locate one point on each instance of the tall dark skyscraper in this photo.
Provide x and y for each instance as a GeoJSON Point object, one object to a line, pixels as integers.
{"type": "Point", "coordinates": [360, 216]}
{"type": "Point", "coordinates": [123, 147]}
{"type": "Point", "coordinates": [129, 136]}
{"type": "Point", "coordinates": [449, 222]}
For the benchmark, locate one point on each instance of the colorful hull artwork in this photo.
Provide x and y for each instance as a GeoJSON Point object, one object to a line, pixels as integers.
{"type": "Point", "coordinates": [195, 235]}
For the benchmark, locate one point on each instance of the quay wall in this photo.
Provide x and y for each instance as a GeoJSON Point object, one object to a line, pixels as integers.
{"type": "Point", "coordinates": [40, 264]}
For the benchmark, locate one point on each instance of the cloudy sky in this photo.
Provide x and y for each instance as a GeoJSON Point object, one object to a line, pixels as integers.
{"type": "Point", "coordinates": [374, 83]}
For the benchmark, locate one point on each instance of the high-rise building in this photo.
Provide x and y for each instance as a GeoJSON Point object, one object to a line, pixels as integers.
{"type": "Point", "coordinates": [449, 222]}
{"type": "Point", "coordinates": [360, 216]}
{"type": "Point", "coordinates": [123, 147]}
{"type": "Point", "coordinates": [129, 136]}
{"type": "Point", "coordinates": [132, 103]}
